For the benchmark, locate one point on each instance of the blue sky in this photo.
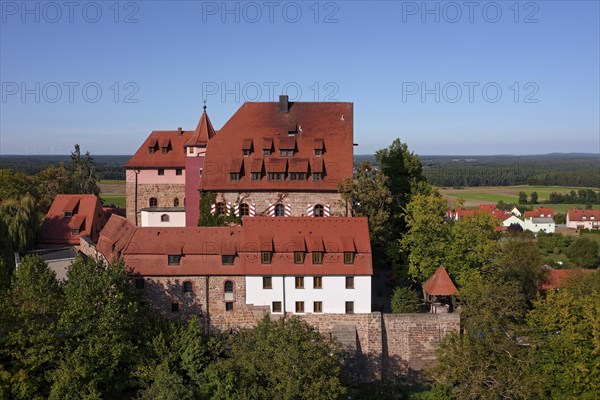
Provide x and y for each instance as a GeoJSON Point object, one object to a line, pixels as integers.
{"type": "Point", "coordinates": [445, 77]}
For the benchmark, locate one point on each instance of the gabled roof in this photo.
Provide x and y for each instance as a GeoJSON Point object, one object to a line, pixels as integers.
{"type": "Point", "coordinates": [440, 284]}
{"type": "Point", "coordinates": [540, 213]}
{"type": "Point", "coordinates": [203, 133]}
{"type": "Point", "coordinates": [201, 248]}
{"type": "Point", "coordinates": [328, 124]}
{"type": "Point", "coordinates": [174, 157]}
{"type": "Point", "coordinates": [583, 215]}
{"type": "Point", "coordinates": [70, 212]}
{"type": "Point", "coordinates": [557, 278]}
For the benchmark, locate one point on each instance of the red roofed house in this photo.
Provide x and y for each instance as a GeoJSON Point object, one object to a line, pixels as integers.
{"type": "Point", "coordinates": [273, 159]}
{"type": "Point", "coordinates": [557, 278]}
{"type": "Point", "coordinates": [540, 213]}
{"type": "Point", "coordinates": [292, 265]}
{"type": "Point", "coordinates": [70, 217]}
{"type": "Point", "coordinates": [504, 217]}
{"type": "Point", "coordinates": [583, 219]}
{"type": "Point", "coordinates": [541, 219]}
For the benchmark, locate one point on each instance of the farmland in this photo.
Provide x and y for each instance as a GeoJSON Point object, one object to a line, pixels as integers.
{"type": "Point", "coordinates": [113, 192]}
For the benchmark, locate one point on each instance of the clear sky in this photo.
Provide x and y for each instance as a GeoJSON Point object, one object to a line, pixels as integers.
{"type": "Point", "coordinates": [464, 77]}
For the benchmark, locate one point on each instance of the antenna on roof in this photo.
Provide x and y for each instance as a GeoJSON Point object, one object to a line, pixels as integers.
{"type": "Point", "coordinates": [204, 107]}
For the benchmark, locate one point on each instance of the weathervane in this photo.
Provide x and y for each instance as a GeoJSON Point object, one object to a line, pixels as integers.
{"type": "Point", "coordinates": [204, 107]}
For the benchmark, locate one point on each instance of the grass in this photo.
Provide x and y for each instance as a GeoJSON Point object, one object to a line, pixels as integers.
{"type": "Point", "coordinates": [489, 197]}
{"type": "Point", "coordinates": [116, 199]}
{"type": "Point", "coordinates": [591, 236]}
{"type": "Point", "coordinates": [112, 181]}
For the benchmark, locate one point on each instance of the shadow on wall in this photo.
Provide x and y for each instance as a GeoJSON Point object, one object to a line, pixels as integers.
{"type": "Point", "coordinates": [173, 298]}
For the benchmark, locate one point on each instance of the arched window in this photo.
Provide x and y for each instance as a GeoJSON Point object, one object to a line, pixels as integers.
{"type": "Point", "coordinates": [319, 210]}
{"type": "Point", "coordinates": [279, 210]}
{"type": "Point", "coordinates": [176, 202]}
{"type": "Point", "coordinates": [187, 287]}
{"type": "Point", "coordinates": [164, 218]}
{"type": "Point", "coordinates": [228, 291]}
{"type": "Point", "coordinates": [220, 210]}
{"type": "Point", "coordinates": [244, 209]}
{"type": "Point", "coordinates": [153, 202]}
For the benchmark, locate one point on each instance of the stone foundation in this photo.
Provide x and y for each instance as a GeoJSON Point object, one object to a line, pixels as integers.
{"type": "Point", "coordinates": [164, 194]}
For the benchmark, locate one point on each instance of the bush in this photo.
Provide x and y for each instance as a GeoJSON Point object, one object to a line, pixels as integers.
{"type": "Point", "coordinates": [405, 300]}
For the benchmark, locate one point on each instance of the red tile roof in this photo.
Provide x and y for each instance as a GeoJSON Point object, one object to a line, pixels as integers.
{"type": "Point", "coordinates": [578, 215]}
{"type": "Point", "coordinates": [440, 284]}
{"type": "Point", "coordinates": [331, 123]}
{"type": "Point", "coordinates": [203, 133]}
{"type": "Point", "coordinates": [540, 213]}
{"type": "Point", "coordinates": [146, 249]}
{"type": "Point", "coordinates": [87, 216]}
{"type": "Point", "coordinates": [557, 278]}
{"type": "Point", "coordinates": [174, 158]}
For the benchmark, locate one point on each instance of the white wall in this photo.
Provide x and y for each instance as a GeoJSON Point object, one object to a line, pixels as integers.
{"type": "Point", "coordinates": [152, 218]}
{"type": "Point", "coordinates": [513, 220]}
{"type": "Point", "coordinates": [334, 294]}
{"type": "Point", "coordinates": [530, 226]}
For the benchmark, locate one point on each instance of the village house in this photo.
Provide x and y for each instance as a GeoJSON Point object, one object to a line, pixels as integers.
{"type": "Point", "coordinates": [540, 219]}
{"type": "Point", "coordinates": [505, 218]}
{"type": "Point", "coordinates": [583, 219]}
{"type": "Point", "coordinates": [269, 159]}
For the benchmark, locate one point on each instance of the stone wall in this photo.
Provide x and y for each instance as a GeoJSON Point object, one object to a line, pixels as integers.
{"type": "Point", "coordinates": [299, 201]}
{"type": "Point", "coordinates": [381, 346]}
{"type": "Point", "coordinates": [164, 193]}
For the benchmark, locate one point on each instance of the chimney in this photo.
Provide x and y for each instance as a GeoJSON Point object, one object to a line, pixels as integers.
{"type": "Point", "coordinates": [283, 103]}
{"type": "Point", "coordinates": [179, 131]}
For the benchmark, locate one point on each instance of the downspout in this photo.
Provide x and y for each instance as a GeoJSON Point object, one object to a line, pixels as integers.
{"type": "Point", "coordinates": [136, 171]}
{"type": "Point", "coordinates": [284, 312]}
{"type": "Point", "coordinates": [206, 313]}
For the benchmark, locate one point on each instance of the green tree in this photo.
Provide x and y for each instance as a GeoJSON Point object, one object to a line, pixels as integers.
{"type": "Point", "coordinates": [20, 222]}
{"type": "Point", "coordinates": [425, 245]}
{"type": "Point", "coordinates": [405, 300]}
{"type": "Point", "coordinates": [102, 323]}
{"type": "Point", "coordinates": [49, 182]}
{"type": "Point", "coordinates": [522, 198]}
{"type": "Point", "coordinates": [83, 175]}
{"type": "Point", "coordinates": [284, 359]}
{"type": "Point", "coordinates": [584, 253]}
{"type": "Point", "coordinates": [534, 197]}
{"type": "Point", "coordinates": [14, 185]}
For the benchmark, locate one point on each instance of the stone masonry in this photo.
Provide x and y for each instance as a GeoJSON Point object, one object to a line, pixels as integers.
{"type": "Point", "coordinates": [165, 194]}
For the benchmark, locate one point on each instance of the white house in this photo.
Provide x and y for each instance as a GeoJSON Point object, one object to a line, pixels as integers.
{"type": "Point", "coordinates": [583, 219]}
{"type": "Point", "coordinates": [536, 225]}
{"type": "Point", "coordinates": [515, 211]}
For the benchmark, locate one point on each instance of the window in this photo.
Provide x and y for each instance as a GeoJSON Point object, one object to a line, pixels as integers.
{"type": "Point", "coordinates": [266, 152]}
{"type": "Point", "coordinates": [227, 259]}
{"type": "Point", "coordinates": [175, 307]}
{"type": "Point", "coordinates": [164, 218]}
{"type": "Point", "coordinates": [220, 208]}
{"type": "Point", "coordinates": [349, 307]}
{"type": "Point", "coordinates": [153, 202]}
{"type": "Point", "coordinates": [200, 171]}
{"type": "Point", "coordinates": [317, 176]}
{"type": "Point", "coordinates": [286, 153]}
{"type": "Point", "coordinates": [234, 176]}
{"type": "Point", "coordinates": [299, 282]}
{"type": "Point", "coordinates": [267, 282]}
{"type": "Point", "coordinates": [266, 257]}
{"type": "Point", "coordinates": [279, 210]}
{"type": "Point", "coordinates": [318, 307]}
{"type": "Point", "coordinates": [139, 283]}
{"type": "Point", "coordinates": [165, 150]}
{"type": "Point", "coordinates": [319, 210]}
{"type": "Point", "coordinates": [317, 257]}
{"type": "Point", "coordinates": [244, 209]}
{"type": "Point", "coordinates": [276, 176]}
{"type": "Point", "coordinates": [297, 176]}
{"type": "Point", "coordinates": [246, 152]}
{"type": "Point", "coordinates": [161, 171]}
{"type": "Point", "coordinates": [75, 231]}
{"type": "Point", "coordinates": [174, 260]}
{"type": "Point", "coordinates": [348, 257]}
{"type": "Point", "coordinates": [299, 306]}
{"type": "Point", "coordinates": [349, 282]}
{"type": "Point", "coordinates": [178, 171]}
{"type": "Point", "coordinates": [255, 176]}
{"type": "Point", "coordinates": [151, 150]}
{"type": "Point", "coordinates": [175, 202]}
{"type": "Point", "coordinates": [228, 290]}
{"type": "Point", "coordinates": [298, 257]}
{"type": "Point", "coordinates": [229, 306]}
{"type": "Point", "coordinates": [188, 287]}
{"type": "Point", "coordinates": [318, 282]}
{"type": "Point", "coordinates": [68, 214]}
{"type": "Point", "coordinates": [276, 306]}
{"type": "Point", "coordinates": [190, 150]}
{"type": "Point", "coordinates": [318, 152]}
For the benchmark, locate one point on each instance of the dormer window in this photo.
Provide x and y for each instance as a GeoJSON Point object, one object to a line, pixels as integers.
{"type": "Point", "coordinates": [174, 259]}
{"type": "Point", "coordinates": [318, 152]}
{"type": "Point", "coordinates": [165, 150]}
{"type": "Point", "coordinates": [234, 176]}
{"type": "Point", "coordinates": [266, 152]}
{"type": "Point", "coordinates": [297, 176]}
{"type": "Point", "coordinates": [319, 147]}
{"type": "Point", "coordinates": [246, 152]}
{"type": "Point", "coordinates": [152, 146]}
{"type": "Point", "coordinates": [151, 150]}
{"type": "Point", "coordinates": [75, 231]}
{"type": "Point", "coordinates": [286, 153]}
{"type": "Point", "coordinates": [256, 176]}
{"type": "Point", "coordinates": [267, 146]}
{"type": "Point", "coordinates": [247, 147]}
{"type": "Point", "coordinates": [317, 176]}
{"type": "Point", "coordinates": [68, 214]}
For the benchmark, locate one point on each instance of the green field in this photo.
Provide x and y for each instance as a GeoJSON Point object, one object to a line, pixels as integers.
{"type": "Point", "coordinates": [112, 182]}
{"type": "Point", "coordinates": [116, 199]}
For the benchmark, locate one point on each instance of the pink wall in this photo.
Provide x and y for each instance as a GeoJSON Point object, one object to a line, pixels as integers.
{"type": "Point", "coordinates": [148, 176]}
{"type": "Point", "coordinates": [192, 196]}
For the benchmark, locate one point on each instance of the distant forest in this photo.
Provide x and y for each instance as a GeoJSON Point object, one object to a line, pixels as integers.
{"type": "Point", "coordinates": [581, 170]}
